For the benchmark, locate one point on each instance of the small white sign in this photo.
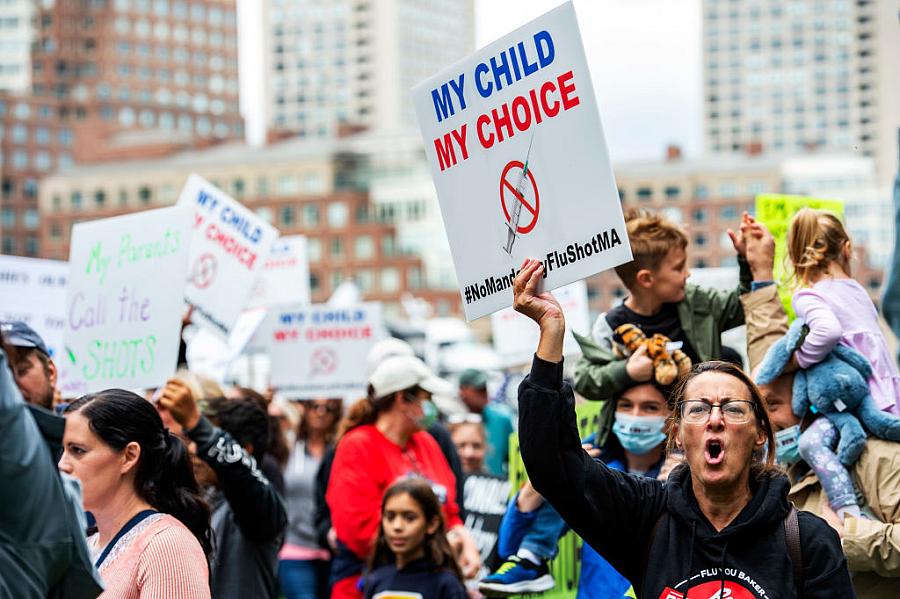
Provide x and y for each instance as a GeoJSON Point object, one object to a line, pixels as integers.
{"type": "Point", "coordinates": [228, 252]}
{"type": "Point", "coordinates": [285, 277]}
{"type": "Point", "coordinates": [125, 304]}
{"type": "Point", "coordinates": [34, 292]}
{"type": "Point", "coordinates": [516, 336]}
{"type": "Point", "coordinates": [317, 351]}
{"type": "Point", "coordinates": [520, 163]}
{"type": "Point", "coordinates": [208, 355]}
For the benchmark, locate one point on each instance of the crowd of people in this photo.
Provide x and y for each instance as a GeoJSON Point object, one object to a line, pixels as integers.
{"type": "Point", "coordinates": [710, 485]}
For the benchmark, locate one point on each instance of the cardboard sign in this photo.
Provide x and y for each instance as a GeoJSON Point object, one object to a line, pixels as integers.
{"type": "Point", "coordinates": [318, 351]}
{"type": "Point", "coordinates": [285, 276]}
{"type": "Point", "coordinates": [124, 305]}
{"type": "Point", "coordinates": [228, 251]}
{"type": "Point", "coordinates": [776, 211]}
{"type": "Point", "coordinates": [520, 164]}
{"type": "Point", "coordinates": [34, 292]}
{"type": "Point", "coordinates": [516, 336]}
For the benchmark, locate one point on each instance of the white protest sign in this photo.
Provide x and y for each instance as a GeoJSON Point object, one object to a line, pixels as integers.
{"type": "Point", "coordinates": [516, 336]}
{"type": "Point", "coordinates": [318, 351]}
{"type": "Point", "coordinates": [520, 164]}
{"type": "Point", "coordinates": [125, 303]}
{"type": "Point", "coordinates": [34, 291]}
{"type": "Point", "coordinates": [228, 251]}
{"type": "Point", "coordinates": [285, 276]}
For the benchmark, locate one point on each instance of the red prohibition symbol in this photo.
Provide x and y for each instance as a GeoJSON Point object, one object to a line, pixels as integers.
{"type": "Point", "coordinates": [204, 271]}
{"type": "Point", "coordinates": [513, 171]}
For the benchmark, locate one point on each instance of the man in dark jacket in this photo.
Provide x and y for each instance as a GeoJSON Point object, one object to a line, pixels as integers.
{"type": "Point", "coordinates": [43, 552]}
{"type": "Point", "coordinates": [248, 516]}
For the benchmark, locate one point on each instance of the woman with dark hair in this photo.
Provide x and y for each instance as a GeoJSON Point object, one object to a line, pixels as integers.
{"type": "Point", "coordinates": [303, 563]}
{"type": "Point", "coordinates": [153, 536]}
{"type": "Point", "coordinates": [384, 441]}
{"type": "Point", "coordinates": [721, 525]}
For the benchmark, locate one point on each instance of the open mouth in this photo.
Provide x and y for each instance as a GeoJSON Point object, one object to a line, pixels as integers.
{"type": "Point", "coordinates": [715, 452]}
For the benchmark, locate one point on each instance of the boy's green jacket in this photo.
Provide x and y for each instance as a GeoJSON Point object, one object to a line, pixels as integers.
{"type": "Point", "coordinates": [704, 313]}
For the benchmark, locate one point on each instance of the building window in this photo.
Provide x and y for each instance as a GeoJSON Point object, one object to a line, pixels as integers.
{"type": "Point", "coordinates": [414, 278]}
{"type": "Point", "coordinates": [310, 215]}
{"type": "Point", "coordinates": [31, 246]}
{"type": "Point", "coordinates": [75, 200]}
{"type": "Point", "coordinates": [363, 247]}
{"type": "Point", "coordinates": [699, 215]}
{"type": "Point", "coordinates": [700, 240]}
{"type": "Point", "coordinates": [145, 195]}
{"type": "Point", "coordinates": [728, 213]}
{"type": "Point", "coordinates": [364, 279]}
{"type": "Point", "coordinates": [264, 213]}
{"type": "Point", "coordinates": [9, 217]}
{"type": "Point", "coordinates": [237, 186]}
{"type": "Point", "coordinates": [31, 219]}
{"type": "Point", "coordinates": [337, 215]}
{"type": "Point", "coordinates": [55, 231]}
{"type": "Point", "coordinates": [123, 197]}
{"type": "Point", "coordinates": [287, 215]}
{"type": "Point", "coordinates": [9, 245]}
{"type": "Point", "coordinates": [644, 193]}
{"type": "Point", "coordinates": [313, 250]}
{"type": "Point", "coordinates": [100, 198]}
{"type": "Point", "coordinates": [672, 192]}
{"type": "Point", "coordinates": [337, 247]}
{"type": "Point", "coordinates": [727, 189]}
{"type": "Point", "coordinates": [390, 280]}
{"type": "Point", "coordinates": [288, 185]}
{"type": "Point", "coordinates": [388, 245]}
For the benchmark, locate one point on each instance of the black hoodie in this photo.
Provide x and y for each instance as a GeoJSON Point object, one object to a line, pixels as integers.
{"type": "Point", "coordinates": [617, 514]}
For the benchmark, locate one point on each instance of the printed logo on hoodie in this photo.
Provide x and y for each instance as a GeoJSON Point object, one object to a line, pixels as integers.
{"type": "Point", "coordinates": [701, 587]}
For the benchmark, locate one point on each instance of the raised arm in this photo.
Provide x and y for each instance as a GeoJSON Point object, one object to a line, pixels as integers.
{"type": "Point", "coordinates": [612, 511]}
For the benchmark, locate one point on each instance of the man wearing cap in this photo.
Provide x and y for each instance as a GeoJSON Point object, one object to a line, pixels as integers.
{"type": "Point", "coordinates": [497, 418]}
{"type": "Point", "coordinates": [34, 370]}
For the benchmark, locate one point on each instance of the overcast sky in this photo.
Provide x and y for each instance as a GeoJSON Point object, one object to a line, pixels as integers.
{"type": "Point", "coordinates": [644, 57]}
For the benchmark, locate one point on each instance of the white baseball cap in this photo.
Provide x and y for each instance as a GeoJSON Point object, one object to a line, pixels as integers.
{"type": "Point", "coordinates": [397, 373]}
{"type": "Point", "coordinates": [385, 349]}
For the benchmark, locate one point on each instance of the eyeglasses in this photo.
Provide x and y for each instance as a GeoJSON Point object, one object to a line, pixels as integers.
{"type": "Point", "coordinates": [734, 411]}
{"type": "Point", "coordinates": [464, 418]}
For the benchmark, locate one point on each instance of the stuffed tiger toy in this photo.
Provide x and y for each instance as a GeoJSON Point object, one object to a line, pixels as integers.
{"type": "Point", "coordinates": [666, 367]}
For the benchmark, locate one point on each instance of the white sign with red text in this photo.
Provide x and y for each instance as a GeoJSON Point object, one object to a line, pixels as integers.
{"type": "Point", "coordinates": [229, 248]}
{"type": "Point", "coordinates": [516, 336]}
{"type": "Point", "coordinates": [520, 163]}
{"type": "Point", "coordinates": [318, 351]}
{"type": "Point", "coordinates": [285, 278]}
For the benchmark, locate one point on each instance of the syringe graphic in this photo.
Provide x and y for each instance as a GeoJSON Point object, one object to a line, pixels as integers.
{"type": "Point", "coordinates": [513, 224]}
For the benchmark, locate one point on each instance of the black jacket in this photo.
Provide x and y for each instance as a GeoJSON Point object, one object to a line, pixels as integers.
{"type": "Point", "coordinates": [631, 520]}
{"type": "Point", "coordinates": [419, 577]}
{"type": "Point", "coordinates": [248, 518]}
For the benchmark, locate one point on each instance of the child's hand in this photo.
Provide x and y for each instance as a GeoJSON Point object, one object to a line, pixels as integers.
{"type": "Point", "coordinates": [640, 366]}
{"type": "Point", "coordinates": [739, 239]}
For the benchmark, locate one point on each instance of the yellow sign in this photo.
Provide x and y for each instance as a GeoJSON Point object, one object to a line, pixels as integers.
{"type": "Point", "coordinates": [776, 211]}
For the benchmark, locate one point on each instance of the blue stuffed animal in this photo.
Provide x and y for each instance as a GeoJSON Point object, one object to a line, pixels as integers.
{"type": "Point", "coordinates": [836, 387]}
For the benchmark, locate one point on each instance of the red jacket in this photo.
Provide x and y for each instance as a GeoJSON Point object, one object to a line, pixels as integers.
{"type": "Point", "coordinates": [366, 463]}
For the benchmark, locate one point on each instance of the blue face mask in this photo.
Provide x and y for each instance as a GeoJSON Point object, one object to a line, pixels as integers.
{"type": "Point", "coordinates": [639, 434]}
{"type": "Point", "coordinates": [787, 445]}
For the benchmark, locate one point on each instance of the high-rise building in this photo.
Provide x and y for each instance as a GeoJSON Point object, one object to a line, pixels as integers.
{"type": "Point", "coordinates": [803, 75]}
{"type": "Point", "coordinates": [112, 79]}
{"type": "Point", "coordinates": [352, 62]}
{"type": "Point", "coordinates": [16, 36]}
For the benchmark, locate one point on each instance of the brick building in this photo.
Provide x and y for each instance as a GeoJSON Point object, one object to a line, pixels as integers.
{"type": "Point", "coordinates": [101, 68]}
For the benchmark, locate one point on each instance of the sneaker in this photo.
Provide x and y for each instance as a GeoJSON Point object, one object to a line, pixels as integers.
{"type": "Point", "coordinates": [517, 575]}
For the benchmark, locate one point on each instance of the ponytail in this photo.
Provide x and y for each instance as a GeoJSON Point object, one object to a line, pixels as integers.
{"type": "Point", "coordinates": [164, 476]}
{"type": "Point", "coordinates": [815, 239]}
{"type": "Point", "coordinates": [364, 411]}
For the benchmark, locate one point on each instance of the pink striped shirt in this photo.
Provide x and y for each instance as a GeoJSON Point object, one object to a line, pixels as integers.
{"type": "Point", "coordinates": [157, 559]}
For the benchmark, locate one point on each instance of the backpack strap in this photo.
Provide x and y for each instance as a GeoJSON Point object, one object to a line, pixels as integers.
{"type": "Point", "coordinates": [792, 538]}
